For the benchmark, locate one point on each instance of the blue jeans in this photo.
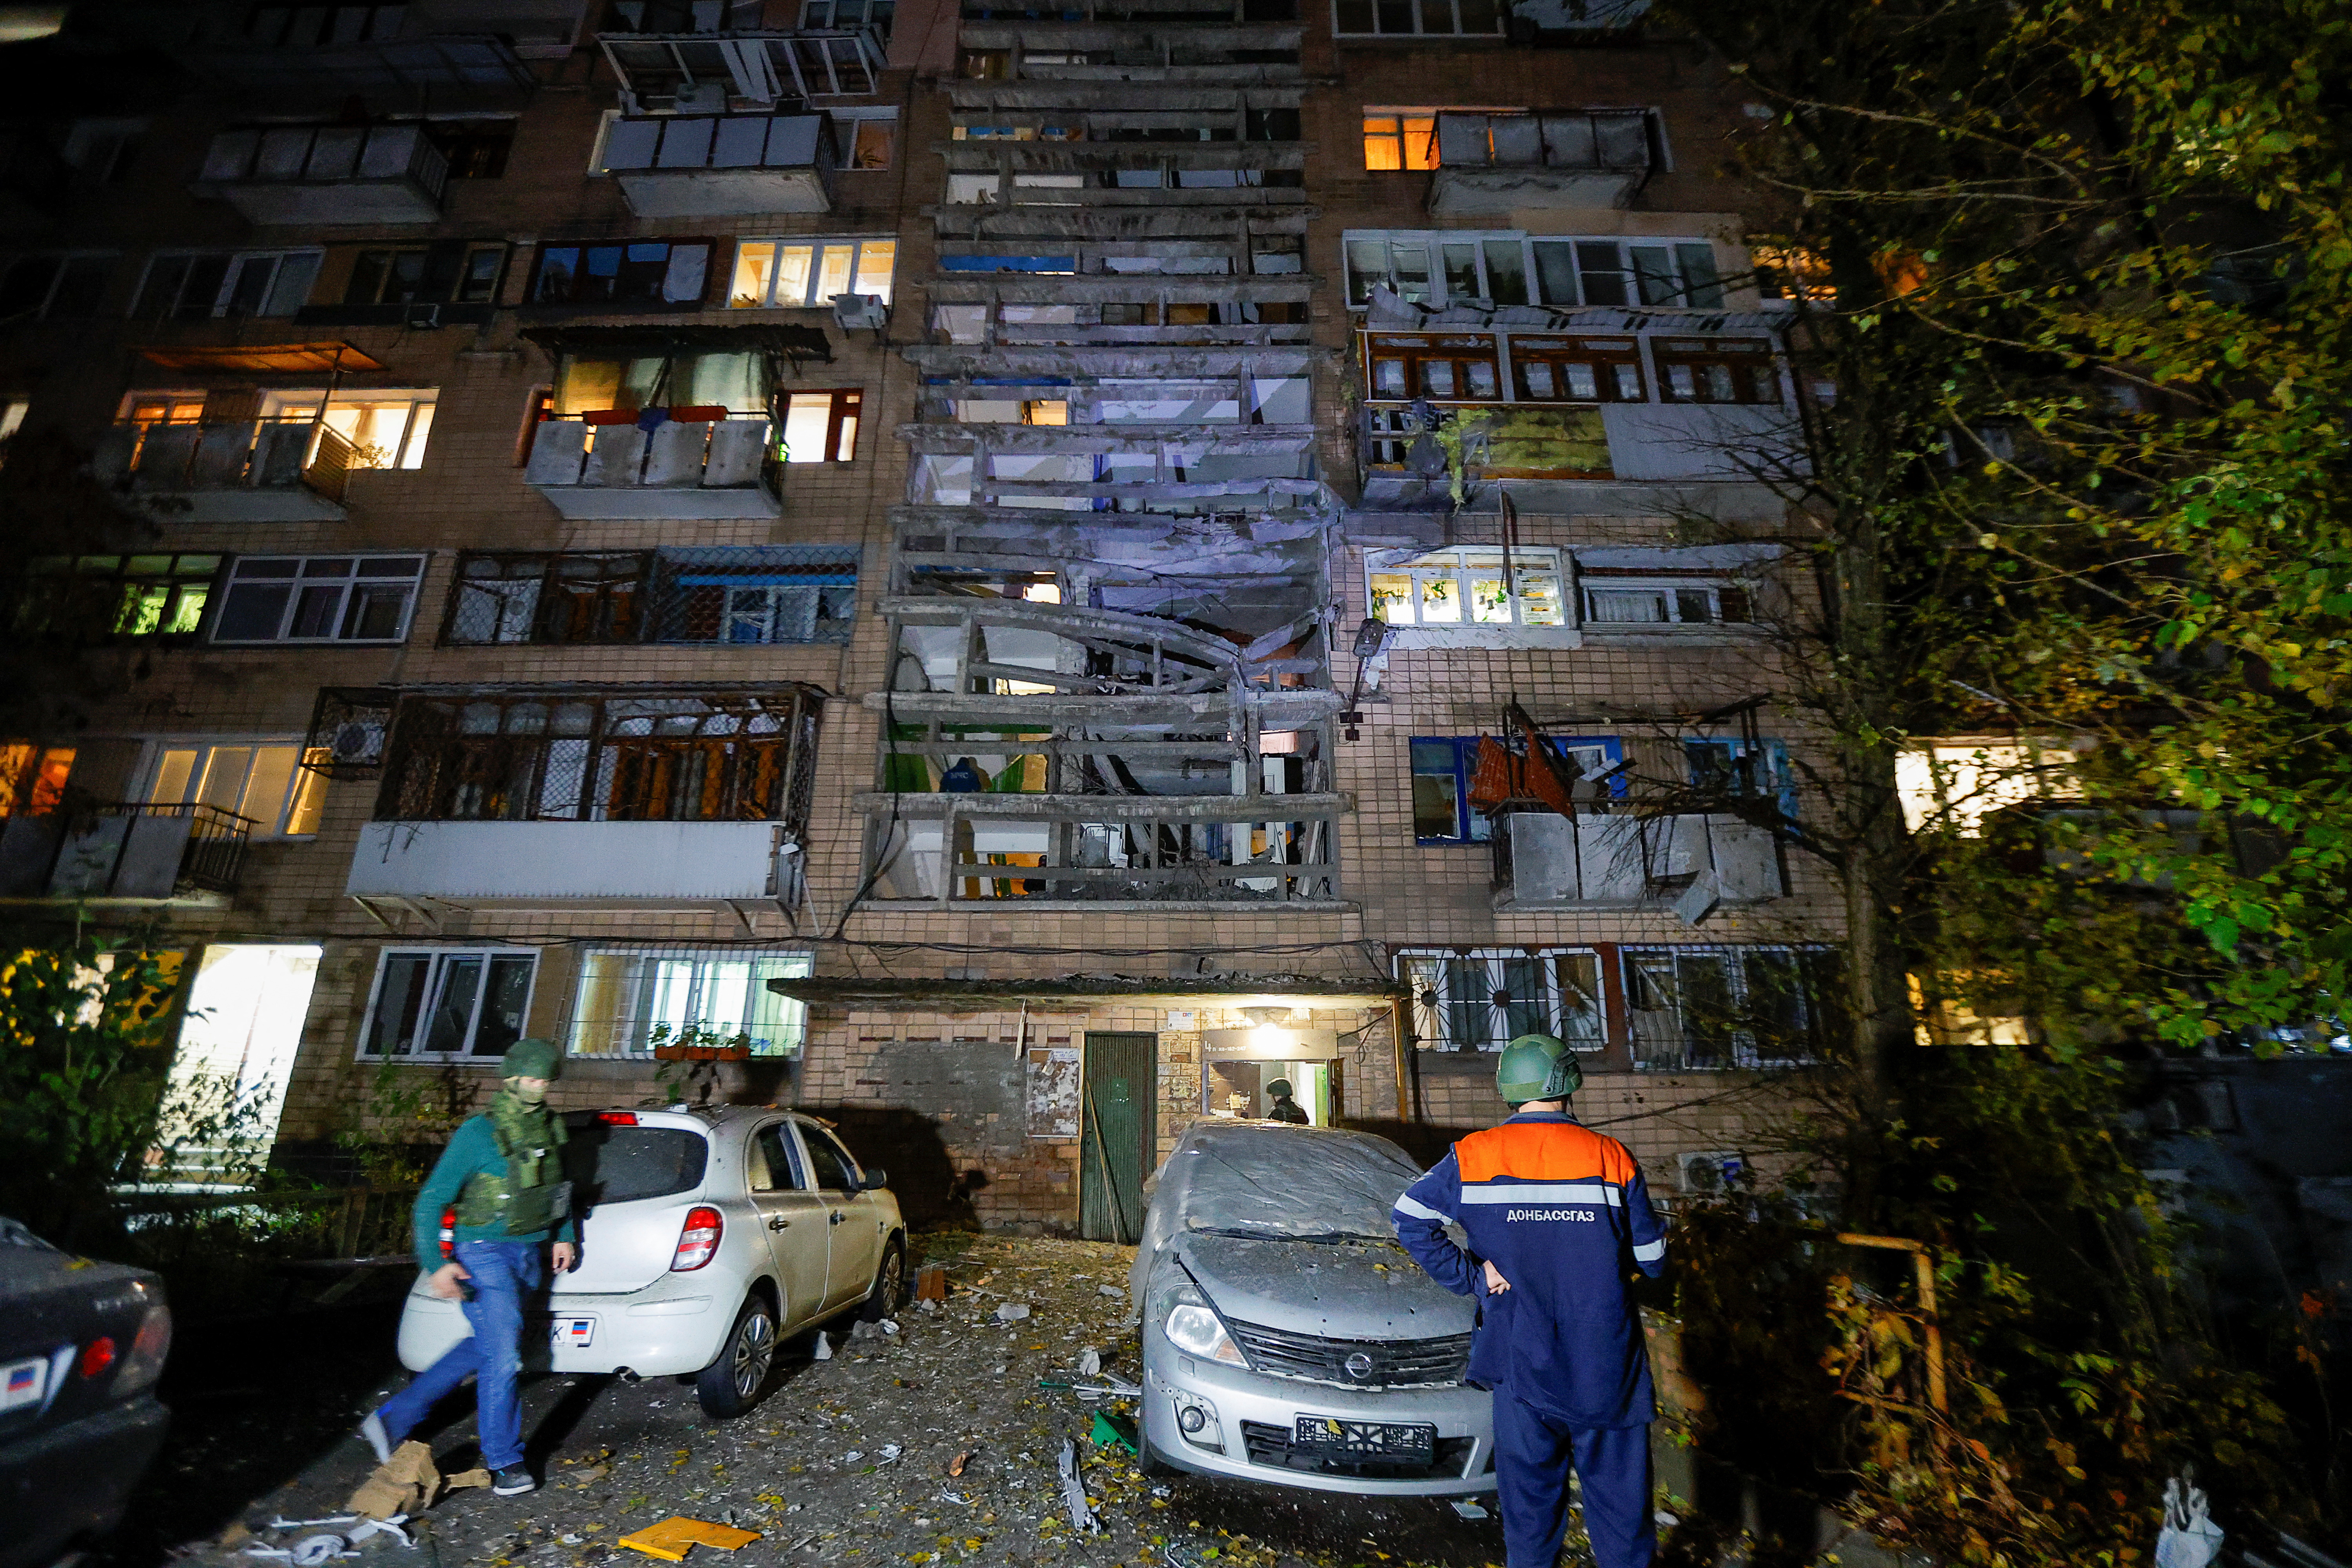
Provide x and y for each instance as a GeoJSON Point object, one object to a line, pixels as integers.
{"type": "Point", "coordinates": [503, 1272]}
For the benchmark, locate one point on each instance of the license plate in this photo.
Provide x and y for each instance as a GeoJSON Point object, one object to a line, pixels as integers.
{"type": "Point", "coordinates": [572, 1333]}
{"type": "Point", "coordinates": [1411, 1442]}
{"type": "Point", "coordinates": [23, 1382]}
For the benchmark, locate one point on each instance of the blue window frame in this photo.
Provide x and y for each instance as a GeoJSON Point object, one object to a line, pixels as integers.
{"type": "Point", "coordinates": [1441, 770]}
{"type": "Point", "coordinates": [1727, 767]}
{"type": "Point", "coordinates": [1008, 264]}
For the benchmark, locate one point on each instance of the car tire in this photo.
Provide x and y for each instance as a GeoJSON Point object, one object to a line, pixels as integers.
{"type": "Point", "coordinates": [1148, 1460]}
{"type": "Point", "coordinates": [732, 1385]}
{"type": "Point", "coordinates": [889, 1284]}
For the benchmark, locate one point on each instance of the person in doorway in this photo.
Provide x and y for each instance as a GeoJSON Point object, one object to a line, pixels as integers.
{"type": "Point", "coordinates": [504, 1173]}
{"type": "Point", "coordinates": [1558, 1218]}
{"type": "Point", "coordinates": [1281, 1106]}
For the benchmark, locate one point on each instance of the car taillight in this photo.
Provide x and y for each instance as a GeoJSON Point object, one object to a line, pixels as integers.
{"type": "Point", "coordinates": [144, 1364]}
{"type": "Point", "coordinates": [698, 1243]}
{"type": "Point", "coordinates": [449, 1231]}
{"type": "Point", "coordinates": [618, 1117]}
{"type": "Point", "coordinates": [97, 1356]}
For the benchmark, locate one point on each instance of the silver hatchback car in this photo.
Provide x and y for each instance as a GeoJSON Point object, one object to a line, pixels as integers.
{"type": "Point", "coordinates": [704, 1237]}
{"type": "Point", "coordinates": [1286, 1337]}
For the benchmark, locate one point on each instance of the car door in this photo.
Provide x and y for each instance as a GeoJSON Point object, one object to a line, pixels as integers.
{"type": "Point", "coordinates": [853, 1216]}
{"type": "Point", "coordinates": [795, 1217]}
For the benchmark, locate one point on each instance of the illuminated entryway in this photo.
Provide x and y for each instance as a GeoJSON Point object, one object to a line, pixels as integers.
{"type": "Point", "coordinates": [236, 1055]}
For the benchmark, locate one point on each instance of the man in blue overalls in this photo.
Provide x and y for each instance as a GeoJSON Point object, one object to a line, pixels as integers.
{"type": "Point", "coordinates": [1557, 1217]}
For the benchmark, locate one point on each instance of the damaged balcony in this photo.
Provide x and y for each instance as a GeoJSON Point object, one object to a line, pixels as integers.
{"type": "Point", "coordinates": [230, 470]}
{"type": "Point", "coordinates": [1115, 309]}
{"type": "Point", "coordinates": [724, 165]}
{"type": "Point", "coordinates": [1065, 469]}
{"type": "Point", "coordinates": [1099, 758]}
{"type": "Point", "coordinates": [1003, 171]}
{"type": "Point", "coordinates": [693, 463]}
{"type": "Point", "coordinates": [524, 797]}
{"type": "Point", "coordinates": [1688, 862]}
{"type": "Point", "coordinates": [127, 851]}
{"type": "Point", "coordinates": [310, 174]}
{"type": "Point", "coordinates": [680, 73]}
{"type": "Point", "coordinates": [1144, 52]}
{"type": "Point", "coordinates": [1550, 161]}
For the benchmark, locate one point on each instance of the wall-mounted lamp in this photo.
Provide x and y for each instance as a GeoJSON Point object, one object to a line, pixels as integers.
{"type": "Point", "coordinates": [1371, 641]}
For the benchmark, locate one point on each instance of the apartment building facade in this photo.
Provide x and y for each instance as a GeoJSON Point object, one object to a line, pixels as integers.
{"type": "Point", "coordinates": [1006, 576]}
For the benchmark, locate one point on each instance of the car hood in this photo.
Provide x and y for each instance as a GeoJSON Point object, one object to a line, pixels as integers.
{"type": "Point", "coordinates": [1354, 1289]}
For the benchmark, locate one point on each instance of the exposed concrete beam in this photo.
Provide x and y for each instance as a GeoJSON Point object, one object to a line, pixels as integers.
{"type": "Point", "coordinates": [1281, 708]}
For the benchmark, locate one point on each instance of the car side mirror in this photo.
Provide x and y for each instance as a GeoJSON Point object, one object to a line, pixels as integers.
{"type": "Point", "coordinates": [876, 1179]}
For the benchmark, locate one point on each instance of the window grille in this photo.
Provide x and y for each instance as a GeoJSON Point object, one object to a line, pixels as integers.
{"type": "Point", "coordinates": [771, 594]}
{"type": "Point", "coordinates": [1711, 1007]}
{"type": "Point", "coordinates": [571, 755]}
{"type": "Point", "coordinates": [347, 731]}
{"type": "Point", "coordinates": [1483, 1000]}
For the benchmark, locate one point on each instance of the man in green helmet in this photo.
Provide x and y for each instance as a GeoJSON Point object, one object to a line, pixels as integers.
{"type": "Point", "coordinates": [1558, 1219]}
{"type": "Point", "coordinates": [503, 1171]}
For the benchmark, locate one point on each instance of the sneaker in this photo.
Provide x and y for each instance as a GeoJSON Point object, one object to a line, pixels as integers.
{"type": "Point", "coordinates": [371, 1431]}
{"type": "Point", "coordinates": [512, 1482]}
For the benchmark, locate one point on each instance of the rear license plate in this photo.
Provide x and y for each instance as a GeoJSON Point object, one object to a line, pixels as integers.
{"type": "Point", "coordinates": [23, 1382]}
{"type": "Point", "coordinates": [1409, 1442]}
{"type": "Point", "coordinates": [572, 1333]}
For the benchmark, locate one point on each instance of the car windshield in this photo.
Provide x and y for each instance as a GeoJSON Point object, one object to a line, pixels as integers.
{"type": "Point", "coordinates": [1294, 1183]}
{"type": "Point", "coordinates": [614, 1164]}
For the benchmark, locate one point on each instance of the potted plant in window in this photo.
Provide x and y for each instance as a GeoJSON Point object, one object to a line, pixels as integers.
{"type": "Point", "coordinates": [697, 1042]}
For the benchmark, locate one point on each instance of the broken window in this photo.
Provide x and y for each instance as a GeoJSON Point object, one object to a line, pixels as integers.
{"type": "Point", "coordinates": [1716, 369]}
{"type": "Point", "coordinates": [453, 271]}
{"type": "Point", "coordinates": [632, 272]}
{"type": "Point", "coordinates": [1483, 999]}
{"type": "Point", "coordinates": [1445, 773]}
{"type": "Point", "coordinates": [627, 1002]}
{"type": "Point", "coordinates": [1708, 1007]}
{"type": "Point", "coordinates": [1468, 587]}
{"type": "Point", "coordinates": [586, 755]}
{"type": "Point", "coordinates": [446, 1003]}
{"type": "Point", "coordinates": [540, 598]}
{"type": "Point", "coordinates": [1424, 19]}
{"type": "Point", "coordinates": [1614, 601]}
{"type": "Point", "coordinates": [1736, 769]}
{"type": "Point", "coordinates": [822, 427]}
{"type": "Point", "coordinates": [317, 598]}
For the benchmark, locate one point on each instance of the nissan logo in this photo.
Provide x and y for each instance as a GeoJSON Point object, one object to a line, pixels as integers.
{"type": "Point", "coordinates": [1359, 1365]}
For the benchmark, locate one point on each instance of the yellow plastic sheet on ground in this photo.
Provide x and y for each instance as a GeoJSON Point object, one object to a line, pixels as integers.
{"type": "Point", "coordinates": [670, 1538]}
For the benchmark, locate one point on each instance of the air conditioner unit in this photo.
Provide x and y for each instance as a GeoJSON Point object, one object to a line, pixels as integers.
{"type": "Point", "coordinates": [1711, 1173]}
{"type": "Point", "coordinates": [358, 742]}
{"type": "Point", "coordinates": [701, 98]}
{"type": "Point", "coordinates": [852, 312]}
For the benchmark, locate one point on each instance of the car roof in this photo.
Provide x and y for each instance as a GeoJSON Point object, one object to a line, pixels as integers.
{"type": "Point", "coordinates": [704, 1118]}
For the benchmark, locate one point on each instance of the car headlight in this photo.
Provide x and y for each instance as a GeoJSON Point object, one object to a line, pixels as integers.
{"type": "Point", "coordinates": [1194, 1327]}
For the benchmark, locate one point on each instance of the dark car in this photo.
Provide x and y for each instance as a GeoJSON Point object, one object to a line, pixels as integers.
{"type": "Point", "coordinates": [81, 1344]}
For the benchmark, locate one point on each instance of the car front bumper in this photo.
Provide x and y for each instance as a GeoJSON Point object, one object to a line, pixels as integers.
{"type": "Point", "coordinates": [664, 1328]}
{"type": "Point", "coordinates": [71, 1483]}
{"type": "Point", "coordinates": [1256, 1414]}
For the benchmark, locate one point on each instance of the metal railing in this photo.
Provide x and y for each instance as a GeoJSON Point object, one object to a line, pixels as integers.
{"type": "Point", "coordinates": [124, 849]}
{"type": "Point", "coordinates": [326, 154]}
{"type": "Point", "coordinates": [711, 454]}
{"type": "Point", "coordinates": [228, 454]}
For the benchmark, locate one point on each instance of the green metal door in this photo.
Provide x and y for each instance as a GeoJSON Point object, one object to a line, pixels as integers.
{"type": "Point", "coordinates": [1115, 1134]}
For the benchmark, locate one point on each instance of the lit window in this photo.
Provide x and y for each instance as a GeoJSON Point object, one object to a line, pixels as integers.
{"type": "Point", "coordinates": [448, 1003]}
{"type": "Point", "coordinates": [632, 1002]}
{"type": "Point", "coordinates": [1404, 140]}
{"type": "Point", "coordinates": [32, 778]}
{"type": "Point", "coordinates": [806, 273]}
{"type": "Point", "coordinates": [263, 783]}
{"type": "Point", "coordinates": [867, 139]}
{"type": "Point", "coordinates": [822, 427]}
{"type": "Point", "coordinates": [118, 595]}
{"type": "Point", "coordinates": [1784, 274]}
{"type": "Point", "coordinates": [1468, 587]}
{"type": "Point", "coordinates": [1481, 1001]}
{"type": "Point", "coordinates": [317, 598]}
{"type": "Point", "coordinates": [386, 430]}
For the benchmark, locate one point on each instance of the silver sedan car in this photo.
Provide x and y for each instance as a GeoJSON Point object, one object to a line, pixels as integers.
{"type": "Point", "coordinates": [704, 1237]}
{"type": "Point", "coordinates": [1286, 1337]}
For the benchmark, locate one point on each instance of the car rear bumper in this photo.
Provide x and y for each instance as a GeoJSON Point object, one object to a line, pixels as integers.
{"type": "Point", "coordinates": [664, 1328]}
{"type": "Point", "coordinates": [72, 1482]}
{"type": "Point", "coordinates": [1256, 1414]}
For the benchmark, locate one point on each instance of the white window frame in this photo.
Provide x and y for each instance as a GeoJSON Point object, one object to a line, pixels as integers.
{"type": "Point", "coordinates": [1671, 592]}
{"type": "Point", "coordinates": [846, 124]}
{"type": "Point", "coordinates": [304, 792]}
{"type": "Point", "coordinates": [407, 450]}
{"type": "Point", "coordinates": [281, 279]}
{"type": "Point", "coordinates": [414, 581]}
{"type": "Point", "coordinates": [1427, 970]}
{"type": "Point", "coordinates": [1636, 273]}
{"type": "Point", "coordinates": [861, 281]}
{"type": "Point", "coordinates": [1530, 564]}
{"type": "Point", "coordinates": [580, 1034]}
{"type": "Point", "coordinates": [1741, 1050]}
{"type": "Point", "coordinates": [440, 958]}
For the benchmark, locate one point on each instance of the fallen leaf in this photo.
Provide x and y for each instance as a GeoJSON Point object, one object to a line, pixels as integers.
{"type": "Point", "coordinates": [956, 1465]}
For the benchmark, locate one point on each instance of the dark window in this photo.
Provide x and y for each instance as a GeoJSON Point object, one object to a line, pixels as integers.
{"type": "Point", "coordinates": [547, 599]}
{"type": "Point", "coordinates": [775, 1164]}
{"type": "Point", "coordinates": [445, 1002]}
{"type": "Point", "coordinates": [636, 272]}
{"type": "Point", "coordinates": [118, 595]}
{"type": "Point", "coordinates": [453, 272]}
{"type": "Point", "coordinates": [610, 1164]}
{"type": "Point", "coordinates": [475, 152]}
{"type": "Point", "coordinates": [1717, 370]}
{"type": "Point", "coordinates": [832, 1166]}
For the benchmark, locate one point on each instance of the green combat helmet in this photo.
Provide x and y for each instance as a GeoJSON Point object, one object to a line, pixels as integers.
{"type": "Point", "coordinates": [1536, 1066]}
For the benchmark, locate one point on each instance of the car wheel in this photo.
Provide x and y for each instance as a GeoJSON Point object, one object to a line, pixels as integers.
{"type": "Point", "coordinates": [730, 1386]}
{"type": "Point", "coordinates": [889, 1284]}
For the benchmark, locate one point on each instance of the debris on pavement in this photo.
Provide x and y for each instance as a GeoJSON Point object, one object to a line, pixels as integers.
{"type": "Point", "coordinates": [675, 1536]}
{"type": "Point", "coordinates": [408, 1483]}
{"type": "Point", "coordinates": [1089, 1362]}
{"type": "Point", "coordinates": [1073, 1492]}
{"type": "Point", "coordinates": [956, 1465]}
{"type": "Point", "coordinates": [1469, 1509]}
{"type": "Point", "coordinates": [1112, 1430]}
{"type": "Point", "coordinates": [1011, 1311]}
{"type": "Point", "coordinates": [930, 1283]}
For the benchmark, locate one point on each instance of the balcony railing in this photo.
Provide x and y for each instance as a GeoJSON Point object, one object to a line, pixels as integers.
{"type": "Point", "coordinates": [684, 71]}
{"type": "Point", "coordinates": [582, 864]}
{"type": "Point", "coordinates": [721, 165]}
{"type": "Point", "coordinates": [232, 471]}
{"type": "Point", "coordinates": [1689, 861]}
{"type": "Point", "coordinates": [610, 466]}
{"type": "Point", "coordinates": [123, 850]}
{"type": "Point", "coordinates": [1577, 158]}
{"type": "Point", "coordinates": [327, 173]}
